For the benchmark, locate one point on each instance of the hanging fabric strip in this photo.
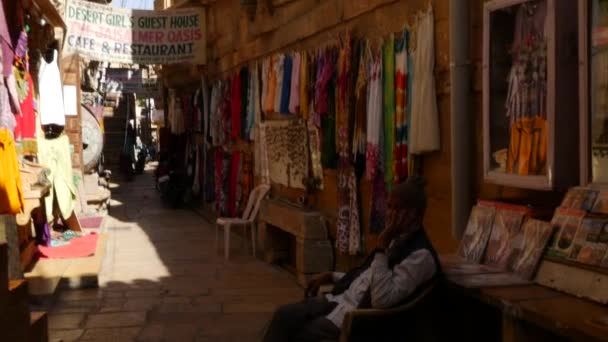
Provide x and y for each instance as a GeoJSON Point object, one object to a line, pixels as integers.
{"type": "Point", "coordinates": [424, 119]}
{"type": "Point", "coordinates": [286, 89]}
{"type": "Point", "coordinates": [388, 56]}
{"type": "Point", "coordinates": [401, 108]}
{"type": "Point", "coordinates": [304, 80]}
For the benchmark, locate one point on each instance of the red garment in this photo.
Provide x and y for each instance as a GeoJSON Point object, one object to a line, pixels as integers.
{"type": "Point", "coordinates": [26, 124]}
{"type": "Point", "coordinates": [236, 107]}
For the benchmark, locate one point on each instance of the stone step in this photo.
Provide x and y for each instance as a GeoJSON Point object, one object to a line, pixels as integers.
{"type": "Point", "coordinates": [39, 327]}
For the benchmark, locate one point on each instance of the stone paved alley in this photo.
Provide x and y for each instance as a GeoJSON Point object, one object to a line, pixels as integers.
{"type": "Point", "coordinates": [162, 280]}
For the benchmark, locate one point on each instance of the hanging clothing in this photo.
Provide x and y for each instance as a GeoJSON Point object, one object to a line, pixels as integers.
{"type": "Point", "coordinates": [379, 189]}
{"type": "Point", "coordinates": [11, 194]}
{"type": "Point", "coordinates": [6, 43]}
{"type": "Point", "coordinates": [27, 120]}
{"type": "Point", "coordinates": [424, 119]}
{"type": "Point", "coordinates": [388, 59]}
{"type": "Point", "coordinates": [401, 154]}
{"type": "Point", "coordinates": [272, 84]}
{"type": "Point", "coordinates": [374, 116]}
{"type": "Point", "coordinates": [244, 91]}
{"type": "Point", "coordinates": [55, 155]}
{"type": "Point", "coordinates": [50, 105]}
{"type": "Point", "coordinates": [286, 89]}
{"type": "Point", "coordinates": [360, 124]}
{"type": "Point", "coordinates": [264, 78]}
{"type": "Point", "coordinates": [304, 85]}
{"type": "Point", "coordinates": [250, 104]}
{"type": "Point", "coordinates": [246, 179]}
{"type": "Point", "coordinates": [294, 92]}
{"type": "Point", "coordinates": [7, 118]}
{"type": "Point", "coordinates": [527, 154]}
{"type": "Point", "coordinates": [235, 109]}
{"type": "Point", "coordinates": [279, 72]}
{"type": "Point", "coordinates": [329, 155]}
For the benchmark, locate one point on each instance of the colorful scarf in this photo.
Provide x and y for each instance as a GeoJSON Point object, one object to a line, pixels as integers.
{"type": "Point", "coordinates": [401, 80]}
{"type": "Point", "coordinates": [374, 115]}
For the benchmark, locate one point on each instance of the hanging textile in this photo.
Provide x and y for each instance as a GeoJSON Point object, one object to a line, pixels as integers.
{"type": "Point", "coordinates": [7, 118]}
{"type": "Point", "coordinates": [287, 152]}
{"type": "Point", "coordinates": [285, 91]}
{"type": "Point", "coordinates": [360, 124]}
{"type": "Point", "coordinates": [235, 108]}
{"type": "Point", "coordinates": [226, 110]}
{"type": "Point", "coordinates": [26, 122]}
{"type": "Point", "coordinates": [388, 58]}
{"type": "Point", "coordinates": [374, 115]}
{"type": "Point", "coordinates": [272, 84]}
{"type": "Point", "coordinates": [213, 110]}
{"type": "Point", "coordinates": [279, 73]}
{"type": "Point", "coordinates": [261, 154]}
{"type": "Point", "coordinates": [246, 179]}
{"type": "Point", "coordinates": [244, 91]}
{"type": "Point", "coordinates": [249, 135]}
{"type": "Point", "coordinates": [220, 169]}
{"type": "Point", "coordinates": [526, 98]}
{"type": "Point", "coordinates": [236, 185]}
{"type": "Point", "coordinates": [55, 155]}
{"type": "Point", "coordinates": [379, 189]}
{"type": "Point", "coordinates": [11, 194]}
{"type": "Point", "coordinates": [6, 42]}
{"type": "Point", "coordinates": [304, 85]}
{"type": "Point", "coordinates": [50, 104]}
{"type": "Point", "coordinates": [347, 225]}
{"type": "Point", "coordinates": [424, 119]}
{"type": "Point", "coordinates": [315, 152]}
{"type": "Point", "coordinates": [264, 78]}
{"type": "Point", "coordinates": [294, 96]}
{"type": "Point", "coordinates": [401, 79]}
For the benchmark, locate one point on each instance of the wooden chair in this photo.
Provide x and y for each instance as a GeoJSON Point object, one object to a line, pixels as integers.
{"type": "Point", "coordinates": [247, 220]}
{"type": "Point", "coordinates": [370, 319]}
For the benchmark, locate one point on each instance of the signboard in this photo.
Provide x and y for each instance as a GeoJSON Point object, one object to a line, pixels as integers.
{"type": "Point", "coordinates": [125, 80]}
{"type": "Point", "coordinates": [118, 35]}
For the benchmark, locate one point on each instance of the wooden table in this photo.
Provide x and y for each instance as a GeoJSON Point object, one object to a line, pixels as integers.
{"type": "Point", "coordinates": [544, 309]}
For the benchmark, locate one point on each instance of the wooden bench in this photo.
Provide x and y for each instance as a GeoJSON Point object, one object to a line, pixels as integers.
{"type": "Point", "coordinates": [534, 313]}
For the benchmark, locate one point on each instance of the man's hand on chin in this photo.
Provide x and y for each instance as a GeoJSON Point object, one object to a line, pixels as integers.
{"type": "Point", "coordinates": [387, 235]}
{"type": "Point", "coordinates": [315, 283]}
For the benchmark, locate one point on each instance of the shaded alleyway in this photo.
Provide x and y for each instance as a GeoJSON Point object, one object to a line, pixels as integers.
{"type": "Point", "coordinates": [162, 280]}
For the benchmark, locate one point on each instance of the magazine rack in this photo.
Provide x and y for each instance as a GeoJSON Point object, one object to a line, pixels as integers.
{"type": "Point", "coordinates": [531, 146]}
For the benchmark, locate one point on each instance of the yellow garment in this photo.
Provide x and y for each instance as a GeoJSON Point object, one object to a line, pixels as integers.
{"type": "Point", "coordinates": [304, 85]}
{"type": "Point", "coordinates": [11, 194]}
{"type": "Point", "coordinates": [55, 154]}
{"type": "Point", "coordinates": [528, 147]}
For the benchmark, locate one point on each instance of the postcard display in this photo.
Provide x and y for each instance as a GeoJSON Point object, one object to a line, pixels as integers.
{"type": "Point", "coordinates": [529, 127]}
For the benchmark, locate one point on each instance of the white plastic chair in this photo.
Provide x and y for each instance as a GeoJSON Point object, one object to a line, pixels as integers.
{"type": "Point", "coordinates": [248, 219]}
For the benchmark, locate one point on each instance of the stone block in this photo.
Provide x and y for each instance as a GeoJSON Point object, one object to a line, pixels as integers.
{"type": "Point", "coordinates": [313, 256]}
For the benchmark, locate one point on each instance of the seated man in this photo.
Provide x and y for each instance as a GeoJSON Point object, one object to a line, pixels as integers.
{"type": "Point", "coordinates": [403, 260]}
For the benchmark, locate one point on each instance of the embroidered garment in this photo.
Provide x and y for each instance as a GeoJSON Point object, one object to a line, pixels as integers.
{"type": "Point", "coordinates": [401, 80]}
{"type": "Point", "coordinates": [424, 120]}
{"type": "Point", "coordinates": [388, 58]}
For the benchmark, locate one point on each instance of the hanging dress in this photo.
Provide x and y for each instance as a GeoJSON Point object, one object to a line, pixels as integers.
{"type": "Point", "coordinates": [424, 120]}
{"type": "Point", "coordinates": [401, 170]}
